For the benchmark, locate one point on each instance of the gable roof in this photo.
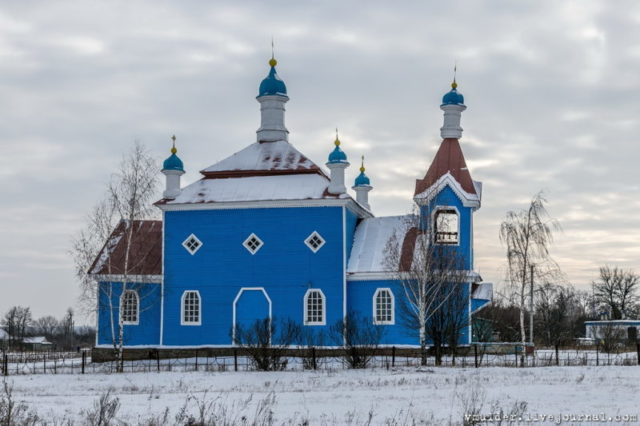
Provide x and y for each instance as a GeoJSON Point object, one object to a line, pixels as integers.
{"type": "Point", "coordinates": [448, 159]}
{"type": "Point", "coordinates": [263, 158]}
{"type": "Point", "coordinates": [145, 253]}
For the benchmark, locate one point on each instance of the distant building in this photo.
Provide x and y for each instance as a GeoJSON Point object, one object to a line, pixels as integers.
{"type": "Point", "coordinates": [622, 329]}
{"type": "Point", "coordinates": [267, 233]}
{"type": "Point", "coordinates": [36, 343]}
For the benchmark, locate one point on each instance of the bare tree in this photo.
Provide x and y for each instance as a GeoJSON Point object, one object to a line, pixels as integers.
{"type": "Point", "coordinates": [128, 199]}
{"type": "Point", "coordinates": [528, 234]}
{"type": "Point", "coordinates": [16, 323]}
{"type": "Point", "coordinates": [266, 341]}
{"type": "Point", "coordinates": [429, 274]}
{"type": "Point", "coordinates": [48, 326]}
{"type": "Point", "coordinates": [617, 289]}
{"type": "Point", "coordinates": [359, 337]}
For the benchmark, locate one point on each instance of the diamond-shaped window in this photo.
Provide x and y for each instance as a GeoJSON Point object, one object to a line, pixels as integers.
{"type": "Point", "coordinates": [192, 244]}
{"type": "Point", "coordinates": [314, 241]}
{"type": "Point", "coordinates": [253, 243]}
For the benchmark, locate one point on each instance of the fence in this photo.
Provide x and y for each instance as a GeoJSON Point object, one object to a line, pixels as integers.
{"type": "Point", "coordinates": [478, 356]}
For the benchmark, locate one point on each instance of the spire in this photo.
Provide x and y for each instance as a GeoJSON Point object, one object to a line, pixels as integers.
{"type": "Point", "coordinates": [173, 162]}
{"type": "Point", "coordinates": [272, 96]}
{"type": "Point", "coordinates": [452, 105]}
{"type": "Point", "coordinates": [362, 179]}
{"type": "Point", "coordinates": [337, 155]}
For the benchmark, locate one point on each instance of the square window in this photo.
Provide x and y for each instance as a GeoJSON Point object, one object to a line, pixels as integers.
{"type": "Point", "coordinates": [192, 244]}
{"type": "Point", "coordinates": [314, 241]}
{"type": "Point", "coordinates": [253, 243]}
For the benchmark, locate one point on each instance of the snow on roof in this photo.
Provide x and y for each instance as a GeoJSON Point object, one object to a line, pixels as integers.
{"type": "Point", "coordinates": [37, 339]}
{"type": "Point", "coordinates": [256, 188]}
{"type": "Point", "coordinates": [483, 291]}
{"type": "Point", "coordinates": [280, 155]}
{"type": "Point", "coordinates": [4, 335]}
{"type": "Point", "coordinates": [369, 252]}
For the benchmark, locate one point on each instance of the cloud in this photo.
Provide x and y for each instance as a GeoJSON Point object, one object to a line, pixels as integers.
{"type": "Point", "coordinates": [549, 85]}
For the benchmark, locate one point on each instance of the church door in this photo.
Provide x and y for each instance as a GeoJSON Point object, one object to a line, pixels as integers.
{"type": "Point", "coordinates": [252, 316]}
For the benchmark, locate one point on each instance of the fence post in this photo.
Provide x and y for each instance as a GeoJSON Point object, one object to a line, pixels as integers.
{"type": "Point", "coordinates": [515, 352]}
{"type": "Point", "coordinates": [158, 359]}
{"type": "Point", "coordinates": [196, 360]}
{"type": "Point", "coordinates": [557, 355]}
{"type": "Point", "coordinates": [597, 355]}
{"type": "Point", "coordinates": [393, 356]}
{"type": "Point", "coordinates": [84, 357]}
{"type": "Point", "coordinates": [638, 351]}
{"type": "Point", "coordinates": [235, 359]}
{"type": "Point", "coordinates": [5, 362]}
{"type": "Point", "coordinates": [475, 354]}
{"type": "Point", "coordinates": [313, 358]}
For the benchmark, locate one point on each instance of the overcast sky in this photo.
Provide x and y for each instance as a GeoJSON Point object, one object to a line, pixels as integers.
{"type": "Point", "coordinates": [551, 88]}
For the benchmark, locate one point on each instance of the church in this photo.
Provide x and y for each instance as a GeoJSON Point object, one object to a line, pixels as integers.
{"type": "Point", "coordinates": [268, 233]}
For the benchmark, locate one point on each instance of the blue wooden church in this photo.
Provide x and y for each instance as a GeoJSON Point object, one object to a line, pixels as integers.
{"type": "Point", "coordinates": [267, 233]}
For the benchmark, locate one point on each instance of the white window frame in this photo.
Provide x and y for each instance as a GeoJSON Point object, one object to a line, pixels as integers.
{"type": "Point", "coordinates": [434, 227]}
{"type": "Point", "coordinates": [246, 243]}
{"type": "Point", "coordinates": [324, 307]}
{"type": "Point", "coordinates": [393, 306]}
{"type": "Point", "coordinates": [135, 293]}
{"type": "Point", "coordinates": [186, 247]}
{"type": "Point", "coordinates": [308, 239]}
{"type": "Point", "coordinates": [182, 308]}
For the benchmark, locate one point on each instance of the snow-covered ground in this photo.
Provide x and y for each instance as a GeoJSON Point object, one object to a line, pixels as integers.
{"type": "Point", "coordinates": [397, 396]}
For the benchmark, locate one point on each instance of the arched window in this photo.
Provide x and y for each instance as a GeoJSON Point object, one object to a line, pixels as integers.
{"type": "Point", "coordinates": [314, 309]}
{"type": "Point", "coordinates": [129, 307]}
{"type": "Point", "coordinates": [446, 226]}
{"type": "Point", "coordinates": [190, 314]}
{"type": "Point", "coordinates": [383, 306]}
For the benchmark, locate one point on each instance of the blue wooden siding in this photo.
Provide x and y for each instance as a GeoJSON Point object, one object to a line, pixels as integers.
{"type": "Point", "coordinates": [284, 266]}
{"type": "Point", "coordinates": [147, 331]}
{"type": "Point", "coordinates": [448, 198]}
{"type": "Point", "coordinates": [360, 299]}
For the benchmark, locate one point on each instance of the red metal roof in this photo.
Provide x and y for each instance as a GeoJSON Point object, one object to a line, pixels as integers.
{"type": "Point", "coordinates": [145, 252]}
{"type": "Point", "coordinates": [449, 158]}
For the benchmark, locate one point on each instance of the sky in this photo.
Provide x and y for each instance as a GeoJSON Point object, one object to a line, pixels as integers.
{"type": "Point", "coordinates": [551, 89]}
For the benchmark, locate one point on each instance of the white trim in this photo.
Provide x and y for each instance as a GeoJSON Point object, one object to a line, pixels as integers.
{"type": "Point", "coordinates": [344, 272]}
{"type": "Point", "coordinates": [118, 278]}
{"type": "Point", "coordinates": [161, 340]}
{"type": "Point", "coordinates": [433, 226]}
{"type": "Point", "coordinates": [120, 308]}
{"type": "Point", "coordinates": [395, 276]}
{"type": "Point", "coordinates": [324, 308]}
{"type": "Point", "coordinates": [182, 321]}
{"type": "Point", "coordinates": [468, 200]}
{"type": "Point", "coordinates": [186, 246]}
{"type": "Point", "coordinates": [308, 239]}
{"type": "Point", "coordinates": [348, 202]}
{"type": "Point", "coordinates": [249, 249]}
{"type": "Point", "coordinates": [337, 347]}
{"type": "Point", "coordinates": [235, 301]}
{"type": "Point", "coordinates": [393, 306]}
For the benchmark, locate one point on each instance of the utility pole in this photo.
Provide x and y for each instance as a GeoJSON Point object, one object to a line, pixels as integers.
{"type": "Point", "coordinates": [531, 308]}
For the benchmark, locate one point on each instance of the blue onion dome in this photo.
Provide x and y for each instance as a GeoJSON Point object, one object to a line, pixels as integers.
{"type": "Point", "coordinates": [453, 97]}
{"type": "Point", "coordinates": [272, 85]}
{"type": "Point", "coordinates": [337, 155]}
{"type": "Point", "coordinates": [173, 162]}
{"type": "Point", "coordinates": [362, 179]}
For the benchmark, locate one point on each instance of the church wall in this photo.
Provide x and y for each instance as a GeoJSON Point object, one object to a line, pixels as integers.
{"type": "Point", "coordinates": [360, 299]}
{"type": "Point", "coordinates": [448, 198]}
{"type": "Point", "coordinates": [146, 332]}
{"type": "Point", "coordinates": [284, 267]}
{"type": "Point", "coordinates": [351, 222]}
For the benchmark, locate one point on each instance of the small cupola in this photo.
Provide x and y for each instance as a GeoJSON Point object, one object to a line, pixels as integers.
{"type": "Point", "coordinates": [452, 105]}
{"type": "Point", "coordinates": [337, 164]}
{"type": "Point", "coordinates": [272, 96]}
{"type": "Point", "coordinates": [172, 168]}
{"type": "Point", "coordinates": [362, 186]}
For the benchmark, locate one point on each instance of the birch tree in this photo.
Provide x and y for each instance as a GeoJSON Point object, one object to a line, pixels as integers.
{"type": "Point", "coordinates": [429, 274]}
{"type": "Point", "coordinates": [527, 235]}
{"type": "Point", "coordinates": [128, 198]}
